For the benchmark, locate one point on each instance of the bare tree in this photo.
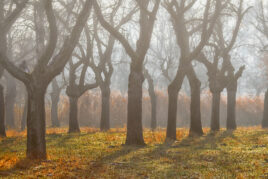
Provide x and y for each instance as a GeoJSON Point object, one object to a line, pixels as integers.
{"type": "Point", "coordinates": [177, 11]}
{"type": "Point", "coordinates": [218, 80]}
{"type": "Point", "coordinates": [10, 99]}
{"type": "Point", "coordinates": [153, 97]}
{"type": "Point", "coordinates": [55, 98]}
{"type": "Point", "coordinates": [6, 21]}
{"type": "Point", "coordinates": [47, 67]}
{"type": "Point", "coordinates": [104, 70]}
{"type": "Point", "coordinates": [136, 77]}
{"type": "Point", "coordinates": [74, 91]}
{"type": "Point", "coordinates": [262, 28]}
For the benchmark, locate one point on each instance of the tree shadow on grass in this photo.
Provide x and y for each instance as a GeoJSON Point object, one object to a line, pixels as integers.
{"type": "Point", "coordinates": [209, 141]}
{"type": "Point", "coordinates": [110, 159]}
{"type": "Point", "coordinates": [212, 139]}
{"type": "Point", "coordinates": [20, 166]}
{"type": "Point", "coordinates": [61, 140]}
{"type": "Point", "coordinates": [9, 144]}
{"type": "Point", "coordinates": [176, 151]}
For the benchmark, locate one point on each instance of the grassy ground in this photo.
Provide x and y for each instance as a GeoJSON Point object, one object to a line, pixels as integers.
{"type": "Point", "coordinates": [93, 154]}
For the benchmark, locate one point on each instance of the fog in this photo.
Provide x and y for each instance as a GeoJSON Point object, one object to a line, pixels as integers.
{"type": "Point", "coordinates": [153, 64]}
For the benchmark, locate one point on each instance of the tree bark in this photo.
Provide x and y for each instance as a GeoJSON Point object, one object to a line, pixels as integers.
{"type": "Point", "coordinates": [215, 111]}
{"type": "Point", "coordinates": [172, 114]}
{"type": "Point", "coordinates": [3, 47]}
{"type": "Point", "coordinates": [195, 123]}
{"type": "Point", "coordinates": [134, 113]}
{"type": "Point", "coordinates": [231, 106]}
{"type": "Point", "coordinates": [153, 99]}
{"type": "Point", "coordinates": [153, 109]}
{"type": "Point", "coordinates": [265, 111]}
{"type": "Point", "coordinates": [105, 108]}
{"type": "Point", "coordinates": [173, 91]}
{"type": "Point", "coordinates": [24, 115]}
{"type": "Point", "coordinates": [73, 115]}
{"type": "Point", "coordinates": [2, 112]}
{"type": "Point", "coordinates": [36, 124]}
{"type": "Point", "coordinates": [10, 101]}
{"type": "Point", "coordinates": [54, 113]}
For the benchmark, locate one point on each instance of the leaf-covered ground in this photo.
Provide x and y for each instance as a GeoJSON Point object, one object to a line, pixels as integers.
{"type": "Point", "coordinates": [92, 154]}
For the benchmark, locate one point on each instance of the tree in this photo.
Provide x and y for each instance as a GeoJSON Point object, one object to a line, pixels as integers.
{"type": "Point", "coordinates": [153, 97]}
{"type": "Point", "coordinates": [265, 112]}
{"type": "Point", "coordinates": [104, 70]}
{"type": "Point", "coordinates": [262, 28]}
{"type": "Point", "coordinates": [218, 80]}
{"type": "Point", "coordinates": [48, 66]}
{"type": "Point", "coordinates": [23, 66]}
{"type": "Point", "coordinates": [75, 91]}
{"type": "Point", "coordinates": [231, 96]}
{"type": "Point", "coordinates": [178, 12]}
{"type": "Point", "coordinates": [55, 98]}
{"type": "Point", "coordinates": [6, 21]}
{"type": "Point", "coordinates": [10, 99]}
{"type": "Point", "coordinates": [136, 77]}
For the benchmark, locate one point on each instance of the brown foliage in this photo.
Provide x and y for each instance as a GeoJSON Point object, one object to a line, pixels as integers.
{"type": "Point", "coordinates": [249, 110]}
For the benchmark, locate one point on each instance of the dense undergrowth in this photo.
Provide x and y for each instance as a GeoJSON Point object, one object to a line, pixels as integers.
{"type": "Point", "coordinates": [93, 154]}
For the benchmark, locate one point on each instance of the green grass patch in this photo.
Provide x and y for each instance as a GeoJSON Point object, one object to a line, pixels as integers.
{"type": "Point", "coordinates": [93, 154]}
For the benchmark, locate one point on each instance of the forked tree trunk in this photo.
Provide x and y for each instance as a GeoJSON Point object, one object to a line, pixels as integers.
{"type": "Point", "coordinates": [172, 114]}
{"type": "Point", "coordinates": [215, 111]}
{"type": "Point", "coordinates": [265, 111]}
{"type": "Point", "coordinates": [195, 123]}
{"type": "Point", "coordinates": [105, 108]}
{"type": "Point", "coordinates": [2, 112]}
{"type": "Point", "coordinates": [134, 113]}
{"type": "Point", "coordinates": [231, 106]}
{"type": "Point", "coordinates": [54, 110]}
{"type": "Point", "coordinates": [36, 124]}
{"type": "Point", "coordinates": [25, 110]}
{"type": "Point", "coordinates": [73, 115]}
{"type": "Point", "coordinates": [10, 102]}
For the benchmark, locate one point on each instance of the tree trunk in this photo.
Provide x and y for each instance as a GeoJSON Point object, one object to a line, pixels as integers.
{"type": "Point", "coordinates": [173, 91]}
{"type": "Point", "coordinates": [231, 106]}
{"type": "Point", "coordinates": [134, 113]}
{"type": "Point", "coordinates": [54, 110]}
{"type": "Point", "coordinates": [105, 108]}
{"type": "Point", "coordinates": [215, 112]}
{"type": "Point", "coordinates": [10, 101]}
{"type": "Point", "coordinates": [153, 99]}
{"type": "Point", "coordinates": [24, 115]}
{"type": "Point", "coordinates": [265, 111]}
{"type": "Point", "coordinates": [36, 124]}
{"type": "Point", "coordinates": [172, 113]}
{"type": "Point", "coordinates": [73, 115]}
{"type": "Point", "coordinates": [2, 112]}
{"type": "Point", "coordinates": [195, 123]}
{"type": "Point", "coordinates": [153, 110]}
{"type": "Point", "coordinates": [3, 48]}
